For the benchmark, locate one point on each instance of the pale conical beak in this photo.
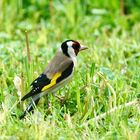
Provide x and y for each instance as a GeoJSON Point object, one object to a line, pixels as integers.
{"type": "Point", "coordinates": [82, 48]}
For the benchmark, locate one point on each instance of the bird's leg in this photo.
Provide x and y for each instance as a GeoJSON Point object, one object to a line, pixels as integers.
{"type": "Point", "coordinates": [47, 104]}
{"type": "Point", "coordinates": [62, 100]}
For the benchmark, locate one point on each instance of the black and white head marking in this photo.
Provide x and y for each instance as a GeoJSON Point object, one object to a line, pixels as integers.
{"type": "Point", "coordinates": [70, 48]}
{"type": "Point", "coordinates": [64, 48]}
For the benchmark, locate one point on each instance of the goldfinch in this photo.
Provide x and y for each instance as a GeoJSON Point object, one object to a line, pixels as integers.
{"type": "Point", "coordinates": [58, 72]}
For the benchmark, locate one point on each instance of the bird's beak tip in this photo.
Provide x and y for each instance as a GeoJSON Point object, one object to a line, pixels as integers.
{"type": "Point", "coordinates": [83, 48]}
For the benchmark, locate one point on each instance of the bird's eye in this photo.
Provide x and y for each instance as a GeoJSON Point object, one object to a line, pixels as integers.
{"type": "Point", "coordinates": [76, 46]}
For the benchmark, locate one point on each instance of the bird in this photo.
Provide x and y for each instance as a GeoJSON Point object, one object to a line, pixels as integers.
{"type": "Point", "coordinates": [57, 73]}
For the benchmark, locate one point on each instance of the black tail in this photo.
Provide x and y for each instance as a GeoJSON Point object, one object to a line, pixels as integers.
{"type": "Point", "coordinates": [30, 94]}
{"type": "Point", "coordinates": [30, 107]}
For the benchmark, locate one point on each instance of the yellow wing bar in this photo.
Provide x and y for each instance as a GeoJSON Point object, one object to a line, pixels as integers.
{"type": "Point", "coordinates": [53, 81]}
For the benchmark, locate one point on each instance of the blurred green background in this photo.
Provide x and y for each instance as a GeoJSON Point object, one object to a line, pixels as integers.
{"type": "Point", "coordinates": [63, 19]}
{"type": "Point", "coordinates": [108, 74]}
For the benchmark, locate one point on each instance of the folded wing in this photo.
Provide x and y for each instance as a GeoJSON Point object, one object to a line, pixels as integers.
{"type": "Point", "coordinates": [42, 83]}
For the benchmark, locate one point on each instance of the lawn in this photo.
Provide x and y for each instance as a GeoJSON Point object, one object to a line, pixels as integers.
{"type": "Point", "coordinates": [102, 99]}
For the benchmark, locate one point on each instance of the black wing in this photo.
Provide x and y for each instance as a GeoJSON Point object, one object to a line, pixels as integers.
{"type": "Point", "coordinates": [37, 85]}
{"type": "Point", "coordinates": [42, 81]}
{"type": "Point", "coordinates": [66, 73]}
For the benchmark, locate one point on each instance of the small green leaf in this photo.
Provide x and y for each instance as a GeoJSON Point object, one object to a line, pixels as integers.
{"type": "Point", "coordinates": [92, 69]}
{"type": "Point", "coordinates": [107, 72]}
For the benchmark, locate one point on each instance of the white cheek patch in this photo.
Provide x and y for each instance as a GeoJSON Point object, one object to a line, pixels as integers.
{"type": "Point", "coordinates": [72, 55]}
{"type": "Point", "coordinates": [69, 43]}
{"type": "Point", "coordinates": [71, 52]}
{"type": "Point", "coordinates": [70, 49]}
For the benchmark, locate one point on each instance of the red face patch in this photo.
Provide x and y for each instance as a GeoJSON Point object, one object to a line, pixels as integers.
{"type": "Point", "coordinates": [76, 47]}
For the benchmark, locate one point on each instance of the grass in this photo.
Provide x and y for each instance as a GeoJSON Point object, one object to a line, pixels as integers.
{"type": "Point", "coordinates": [101, 100]}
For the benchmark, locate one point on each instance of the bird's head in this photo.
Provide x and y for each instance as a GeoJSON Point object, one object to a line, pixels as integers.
{"type": "Point", "coordinates": [71, 48]}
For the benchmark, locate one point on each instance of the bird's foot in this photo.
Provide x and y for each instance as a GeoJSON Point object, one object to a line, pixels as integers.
{"type": "Point", "coordinates": [61, 99]}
